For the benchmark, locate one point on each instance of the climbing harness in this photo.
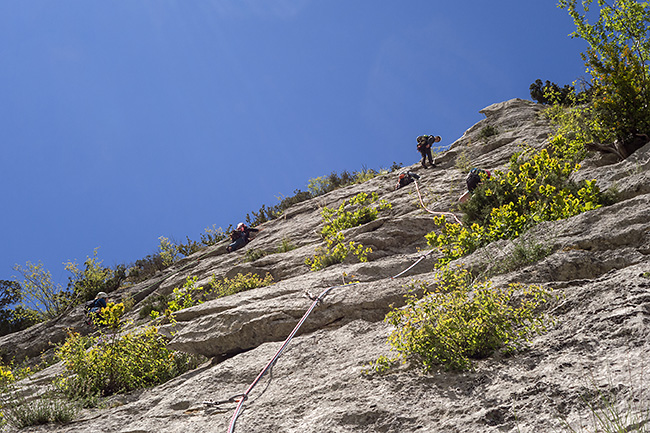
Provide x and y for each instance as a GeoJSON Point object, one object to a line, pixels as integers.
{"type": "Point", "coordinates": [269, 366]}
{"type": "Point", "coordinates": [417, 187]}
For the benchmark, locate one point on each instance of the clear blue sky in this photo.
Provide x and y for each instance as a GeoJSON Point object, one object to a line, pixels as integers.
{"type": "Point", "coordinates": [122, 121]}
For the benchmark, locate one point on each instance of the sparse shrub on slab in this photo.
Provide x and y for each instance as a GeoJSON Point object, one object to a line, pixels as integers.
{"type": "Point", "coordinates": [239, 283]}
{"type": "Point", "coordinates": [357, 211]}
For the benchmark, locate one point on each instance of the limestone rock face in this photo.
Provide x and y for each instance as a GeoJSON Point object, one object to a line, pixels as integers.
{"type": "Point", "coordinates": [598, 261]}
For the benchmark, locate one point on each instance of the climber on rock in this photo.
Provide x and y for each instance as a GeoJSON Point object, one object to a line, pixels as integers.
{"type": "Point", "coordinates": [93, 308]}
{"type": "Point", "coordinates": [240, 237]}
{"type": "Point", "coordinates": [475, 176]}
{"type": "Point", "coordinates": [424, 147]}
{"type": "Point", "coordinates": [406, 178]}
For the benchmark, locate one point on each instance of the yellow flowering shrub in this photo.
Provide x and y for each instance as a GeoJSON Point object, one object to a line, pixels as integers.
{"type": "Point", "coordinates": [116, 363]}
{"type": "Point", "coordinates": [536, 188]}
{"type": "Point", "coordinates": [457, 321]}
{"type": "Point", "coordinates": [366, 208]}
{"type": "Point", "coordinates": [239, 283]}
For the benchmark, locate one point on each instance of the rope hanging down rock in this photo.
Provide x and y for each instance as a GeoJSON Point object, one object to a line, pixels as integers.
{"type": "Point", "coordinates": [417, 187]}
{"type": "Point", "coordinates": [241, 398]}
{"type": "Point", "coordinates": [244, 396]}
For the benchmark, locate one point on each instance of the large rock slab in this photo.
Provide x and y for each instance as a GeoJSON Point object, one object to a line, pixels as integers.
{"type": "Point", "coordinates": [597, 262]}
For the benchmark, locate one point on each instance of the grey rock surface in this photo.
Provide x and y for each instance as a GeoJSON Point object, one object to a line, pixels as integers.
{"type": "Point", "coordinates": [598, 261]}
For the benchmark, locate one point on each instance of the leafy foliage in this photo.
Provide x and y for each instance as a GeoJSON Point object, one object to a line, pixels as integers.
{"type": "Point", "coordinates": [458, 321]}
{"type": "Point", "coordinates": [40, 297]}
{"type": "Point", "coordinates": [239, 283]}
{"type": "Point", "coordinates": [186, 296]}
{"type": "Point", "coordinates": [617, 59]}
{"type": "Point", "coordinates": [536, 188]}
{"type": "Point", "coordinates": [253, 254]}
{"type": "Point", "coordinates": [285, 246]}
{"type": "Point", "coordinates": [487, 132]}
{"type": "Point", "coordinates": [16, 318]}
{"type": "Point", "coordinates": [169, 252]}
{"type": "Point", "coordinates": [94, 278]}
{"type": "Point", "coordinates": [551, 93]}
{"type": "Point", "coordinates": [145, 268]}
{"type": "Point", "coordinates": [115, 363]}
{"type": "Point", "coordinates": [154, 307]}
{"type": "Point", "coordinates": [315, 187]}
{"type": "Point", "coordinates": [336, 220]}
{"type": "Point", "coordinates": [213, 235]}
{"type": "Point", "coordinates": [49, 407]}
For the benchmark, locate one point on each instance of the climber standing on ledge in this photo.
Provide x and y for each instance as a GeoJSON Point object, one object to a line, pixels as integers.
{"type": "Point", "coordinates": [424, 147]}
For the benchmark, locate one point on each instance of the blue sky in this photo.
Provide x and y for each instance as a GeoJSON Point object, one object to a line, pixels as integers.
{"type": "Point", "coordinates": [123, 121]}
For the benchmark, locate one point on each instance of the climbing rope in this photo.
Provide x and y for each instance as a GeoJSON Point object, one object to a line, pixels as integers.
{"type": "Point", "coordinates": [269, 366]}
{"type": "Point", "coordinates": [422, 257]}
{"type": "Point", "coordinates": [417, 187]}
{"type": "Point", "coordinates": [241, 398]}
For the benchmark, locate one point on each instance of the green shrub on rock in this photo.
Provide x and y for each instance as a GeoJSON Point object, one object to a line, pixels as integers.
{"type": "Point", "coordinates": [537, 187]}
{"type": "Point", "coordinates": [239, 283]}
{"type": "Point", "coordinates": [118, 363]}
{"type": "Point", "coordinates": [458, 321]}
{"type": "Point", "coordinates": [359, 210]}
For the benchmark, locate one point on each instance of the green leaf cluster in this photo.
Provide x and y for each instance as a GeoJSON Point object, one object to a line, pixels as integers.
{"type": "Point", "coordinates": [47, 408]}
{"type": "Point", "coordinates": [40, 298]}
{"type": "Point", "coordinates": [118, 363]}
{"type": "Point", "coordinates": [186, 296]}
{"type": "Point", "coordinates": [359, 210]}
{"type": "Point", "coordinates": [457, 321]}
{"type": "Point", "coordinates": [618, 60]}
{"type": "Point", "coordinates": [536, 188]}
{"type": "Point", "coordinates": [239, 283]}
{"type": "Point", "coordinates": [84, 284]}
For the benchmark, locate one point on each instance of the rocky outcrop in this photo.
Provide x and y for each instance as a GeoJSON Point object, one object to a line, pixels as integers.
{"type": "Point", "coordinates": [598, 261]}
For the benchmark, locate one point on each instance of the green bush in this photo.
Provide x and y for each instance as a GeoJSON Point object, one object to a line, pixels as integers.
{"type": "Point", "coordinates": [145, 268]}
{"type": "Point", "coordinates": [487, 132]}
{"type": "Point", "coordinates": [213, 235]}
{"type": "Point", "coordinates": [285, 246]}
{"type": "Point", "coordinates": [551, 93]}
{"type": "Point", "coordinates": [186, 296]}
{"type": "Point", "coordinates": [524, 253]}
{"type": "Point", "coordinates": [14, 318]}
{"type": "Point", "coordinates": [118, 363]}
{"type": "Point", "coordinates": [316, 187]}
{"type": "Point", "coordinates": [48, 408]}
{"type": "Point", "coordinates": [336, 251]}
{"type": "Point", "coordinates": [617, 59]}
{"type": "Point", "coordinates": [239, 283]}
{"type": "Point", "coordinates": [94, 278]}
{"type": "Point", "coordinates": [335, 220]}
{"type": "Point", "coordinates": [168, 251]}
{"type": "Point", "coordinates": [536, 188]}
{"type": "Point", "coordinates": [157, 304]}
{"type": "Point", "coordinates": [458, 321]}
{"type": "Point", "coordinates": [40, 298]}
{"type": "Point", "coordinates": [253, 254]}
